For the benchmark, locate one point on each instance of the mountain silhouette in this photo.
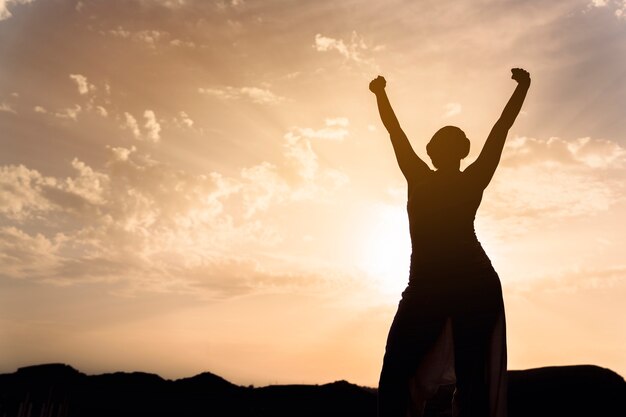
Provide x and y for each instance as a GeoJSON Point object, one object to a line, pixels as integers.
{"type": "Point", "coordinates": [58, 390]}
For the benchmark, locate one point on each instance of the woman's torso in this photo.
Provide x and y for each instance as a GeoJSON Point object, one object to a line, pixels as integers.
{"type": "Point", "coordinates": [441, 209]}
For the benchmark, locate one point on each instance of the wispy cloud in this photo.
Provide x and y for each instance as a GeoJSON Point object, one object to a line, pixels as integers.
{"type": "Point", "coordinates": [598, 3]}
{"type": "Point", "coordinates": [265, 187]}
{"type": "Point", "coordinates": [592, 153]}
{"type": "Point", "coordinates": [83, 85]}
{"type": "Point", "coordinates": [183, 119]}
{"type": "Point", "coordinates": [150, 37]}
{"type": "Point", "coordinates": [452, 109]}
{"type": "Point", "coordinates": [120, 32]}
{"type": "Point", "coordinates": [324, 43]}
{"type": "Point", "coordinates": [138, 217]}
{"type": "Point", "coordinates": [334, 129]}
{"type": "Point", "coordinates": [620, 10]}
{"type": "Point", "coordinates": [131, 123]}
{"type": "Point", "coordinates": [20, 193]}
{"type": "Point", "coordinates": [102, 111]}
{"type": "Point", "coordinates": [353, 49]}
{"type": "Point", "coordinates": [154, 213]}
{"type": "Point", "coordinates": [224, 5]}
{"type": "Point", "coordinates": [69, 112]}
{"type": "Point", "coordinates": [170, 4]}
{"type": "Point", "coordinates": [152, 126]}
{"type": "Point", "coordinates": [552, 180]}
{"type": "Point", "coordinates": [5, 5]}
{"type": "Point", "coordinates": [255, 94]}
{"type": "Point", "coordinates": [298, 148]}
{"type": "Point", "coordinates": [617, 6]}
{"type": "Point", "coordinates": [571, 280]}
{"type": "Point", "coordinates": [178, 42]}
{"type": "Point", "coordinates": [7, 108]}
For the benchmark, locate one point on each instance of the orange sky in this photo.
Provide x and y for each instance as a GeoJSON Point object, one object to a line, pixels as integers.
{"type": "Point", "coordinates": [191, 186]}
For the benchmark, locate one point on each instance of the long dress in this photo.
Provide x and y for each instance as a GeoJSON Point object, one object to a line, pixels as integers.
{"type": "Point", "coordinates": [449, 327]}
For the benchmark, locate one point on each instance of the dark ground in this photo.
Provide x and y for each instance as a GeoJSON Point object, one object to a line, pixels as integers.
{"type": "Point", "coordinates": [57, 390]}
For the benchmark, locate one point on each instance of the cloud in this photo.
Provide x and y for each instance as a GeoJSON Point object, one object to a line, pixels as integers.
{"type": "Point", "coordinates": [260, 95]}
{"type": "Point", "coordinates": [352, 50]}
{"type": "Point", "coordinates": [26, 194]}
{"type": "Point", "coordinates": [620, 10]}
{"type": "Point", "coordinates": [23, 254]}
{"type": "Point", "coordinates": [572, 280]}
{"type": "Point", "coordinates": [136, 214]}
{"type": "Point", "coordinates": [122, 154]}
{"type": "Point", "coordinates": [551, 180]}
{"type": "Point", "coordinates": [618, 6]}
{"type": "Point", "coordinates": [40, 109]}
{"type": "Point", "coordinates": [265, 186]}
{"type": "Point", "coordinates": [88, 184]}
{"type": "Point", "coordinates": [84, 87]}
{"type": "Point", "coordinates": [254, 94]}
{"type": "Point", "coordinates": [20, 192]}
{"type": "Point", "coordinates": [178, 42]}
{"type": "Point", "coordinates": [152, 126]}
{"type": "Point", "coordinates": [102, 111]}
{"type": "Point", "coordinates": [183, 119]}
{"type": "Point", "coordinates": [323, 44]}
{"type": "Point", "coordinates": [335, 129]}
{"type": "Point", "coordinates": [69, 113]}
{"type": "Point", "coordinates": [588, 152]}
{"type": "Point", "coordinates": [5, 107]}
{"type": "Point", "coordinates": [313, 180]}
{"type": "Point", "coordinates": [170, 4]}
{"type": "Point", "coordinates": [452, 109]}
{"type": "Point", "coordinates": [5, 13]}
{"type": "Point", "coordinates": [120, 32]}
{"type": "Point", "coordinates": [337, 121]}
{"type": "Point", "coordinates": [131, 123]}
{"type": "Point", "coordinates": [150, 227]}
{"type": "Point", "coordinates": [224, 5]}
{"type": "Point", "coordinates": [151, 37]}
{"type": "Point", "coordinates": [298, 149]}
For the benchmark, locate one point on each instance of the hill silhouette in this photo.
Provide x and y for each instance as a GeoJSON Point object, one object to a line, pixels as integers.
{"type": "Point", "coordinates": [58, 390]}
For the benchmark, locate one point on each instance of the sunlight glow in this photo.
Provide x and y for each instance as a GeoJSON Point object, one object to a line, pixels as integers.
{"type": "Point", "coordinates": [386, 249]}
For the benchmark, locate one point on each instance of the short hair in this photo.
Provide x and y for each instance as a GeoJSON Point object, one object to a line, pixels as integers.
{"type": "Point", "coordinates": [450, 141]}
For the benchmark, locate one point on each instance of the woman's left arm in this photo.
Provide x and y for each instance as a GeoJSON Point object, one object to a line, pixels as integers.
{"type": "Point", "coordinates": [485, 165]}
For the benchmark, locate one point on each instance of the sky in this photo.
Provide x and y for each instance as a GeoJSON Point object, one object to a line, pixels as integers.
{"type": "Point", "coordinates": [190, 186]}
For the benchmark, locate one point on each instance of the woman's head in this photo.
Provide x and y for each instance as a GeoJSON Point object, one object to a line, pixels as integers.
{"type": "Point", "coordinates": [447, 147]}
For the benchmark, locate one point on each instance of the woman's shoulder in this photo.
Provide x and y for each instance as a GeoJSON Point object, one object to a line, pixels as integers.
{"type": "Point", "coordinates": [437, 182]}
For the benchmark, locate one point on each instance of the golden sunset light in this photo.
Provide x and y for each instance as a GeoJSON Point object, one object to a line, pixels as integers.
{"type": "Point", "coordinates": [190, 186]}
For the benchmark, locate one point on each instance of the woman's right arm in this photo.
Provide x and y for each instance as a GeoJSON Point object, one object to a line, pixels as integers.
{"type": "Point", "coordinates": [410, 164]}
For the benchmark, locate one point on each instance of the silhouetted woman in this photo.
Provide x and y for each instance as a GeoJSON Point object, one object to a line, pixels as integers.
{"type": "Point", "coordinates": [450, 326]}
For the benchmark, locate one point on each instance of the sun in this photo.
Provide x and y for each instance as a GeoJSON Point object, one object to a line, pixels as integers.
{"type": "Point", "coordinates": [385, 250]}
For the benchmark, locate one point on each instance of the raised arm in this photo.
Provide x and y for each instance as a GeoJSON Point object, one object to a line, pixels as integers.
{"type": "Point", "coordinates": [487, 162]}
{"type": "Point", "coordinates": [410, 164]}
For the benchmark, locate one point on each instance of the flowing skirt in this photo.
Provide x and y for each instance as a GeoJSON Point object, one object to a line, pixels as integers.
{"type": "Point", "coordinates": [449, 329]}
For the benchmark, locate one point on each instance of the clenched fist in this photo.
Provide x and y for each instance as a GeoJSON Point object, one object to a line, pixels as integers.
{"type": "Point", "coordinates": [521, 76]}
{"type": "Point", "coordinates": [378, 84]}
